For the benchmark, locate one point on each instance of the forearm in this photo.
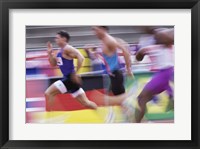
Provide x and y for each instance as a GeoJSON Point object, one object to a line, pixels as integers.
{"type": "Point", "coordinates": [52, 60]}
{"type": "Point", "coordinates": [127, 58]}
{"type": "Point", "coordinates": [124, 47]}
{"type": "Point", "coordinates": [80, 63]}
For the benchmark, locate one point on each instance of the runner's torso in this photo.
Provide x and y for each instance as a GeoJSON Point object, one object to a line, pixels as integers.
{"type": "Point", "coordinates": [109, 45]}
{"type": "Point", "coordinates": [110, 54]}
{"type": "Point", "coordinates": [162, 57]}
{"type": "Point", "coordinates": [66, 65]}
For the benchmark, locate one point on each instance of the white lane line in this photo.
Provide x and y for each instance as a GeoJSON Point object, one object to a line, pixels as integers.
{"type": "Point", "coordinates": [35, 99]}
{"type": "Point", "coordinates": [34, 109]}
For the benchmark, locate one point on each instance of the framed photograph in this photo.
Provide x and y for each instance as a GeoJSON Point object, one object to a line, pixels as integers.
{"type": "Point", "coordinates": [103, 74]}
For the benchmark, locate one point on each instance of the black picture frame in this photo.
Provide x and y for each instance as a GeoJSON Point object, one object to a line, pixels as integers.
{"type": "Point", "coordinates": [5, 5]}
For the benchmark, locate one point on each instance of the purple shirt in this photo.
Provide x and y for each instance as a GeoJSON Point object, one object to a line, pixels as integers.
{"type": "Point", "coordinates": [66, 65]}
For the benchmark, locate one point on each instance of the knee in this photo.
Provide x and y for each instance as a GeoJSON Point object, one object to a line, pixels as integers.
{"type": "Point", "coordinates": [140, 101]}
{"type": "Point", "coordinates": [47, 93]}
{"type": "Point", "coordinates": [143, 99]}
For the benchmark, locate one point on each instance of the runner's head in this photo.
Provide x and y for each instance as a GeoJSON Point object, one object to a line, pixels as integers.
{"type": "Point", "coordinates": [100, 31]}
{"type": "Point", "coordinates": [148, 29]}
{"type": "Point", "coordinates": [165, 36]}
{"type": "Point", "coordinates": [62, 38]}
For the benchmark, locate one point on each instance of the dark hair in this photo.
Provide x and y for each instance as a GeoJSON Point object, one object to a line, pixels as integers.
{"type": "Point", "coordinates": [104, 27]}
{"type": "Point", "coordinates": [64, 34]}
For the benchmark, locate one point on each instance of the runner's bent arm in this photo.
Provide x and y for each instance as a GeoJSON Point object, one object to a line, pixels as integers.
{"type": "Point", "coordinates": [75, 53]}
{"type": "Point", "coordinates": [127, 57]}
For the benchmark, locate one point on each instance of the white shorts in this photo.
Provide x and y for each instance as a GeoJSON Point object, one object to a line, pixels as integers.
{"type": "Point", "coordinates": [60, 85]}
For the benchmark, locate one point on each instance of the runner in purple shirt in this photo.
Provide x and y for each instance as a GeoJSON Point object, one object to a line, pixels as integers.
{"type": "Point", "coordinates": [70, 82]}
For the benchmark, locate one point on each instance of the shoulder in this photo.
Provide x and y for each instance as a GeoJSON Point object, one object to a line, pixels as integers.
{"type": "Point", "coordinates": [121, 41]}
{"type": "Point", "coordinates": [111, 37]}
{"type": "Point", "coordinates": [69, 48]}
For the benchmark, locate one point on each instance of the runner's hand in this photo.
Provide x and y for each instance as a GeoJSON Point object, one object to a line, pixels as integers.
{"type": "Point", "coordinates": [76, 79]}
{"type": "Point", "coordinates": [130, 73]}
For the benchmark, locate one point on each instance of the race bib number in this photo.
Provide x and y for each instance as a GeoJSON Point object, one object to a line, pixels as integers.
{"type": "Point", "coordinates": [59, 61]}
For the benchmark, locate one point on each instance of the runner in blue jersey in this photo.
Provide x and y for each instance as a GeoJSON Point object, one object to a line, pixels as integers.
{"type": "Point", "coordinates": [70, 82]}
{"type": "Point", "coordinates": [110, 58]}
